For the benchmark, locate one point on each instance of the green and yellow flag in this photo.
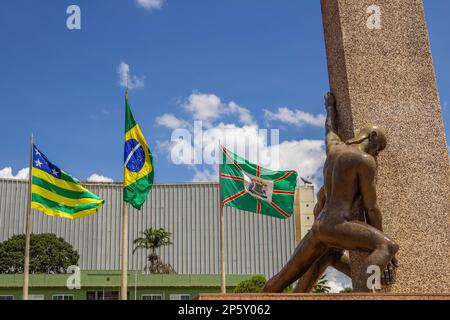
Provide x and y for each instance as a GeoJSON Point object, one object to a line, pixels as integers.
{"type": "Point", "coordinates": [56, 193]}
{"type": "Point", "coordinates": [249, 187]}
{"type": "Point", "coordinates": [138, 163]}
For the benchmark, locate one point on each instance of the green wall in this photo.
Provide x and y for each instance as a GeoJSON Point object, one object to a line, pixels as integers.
{"type": "Point", "coordinates": [49, 285]}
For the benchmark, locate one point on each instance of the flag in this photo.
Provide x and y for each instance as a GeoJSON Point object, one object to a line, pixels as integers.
{"type": "Point", "coordinates": [138, 163]}
{"type": "Point", "coordinates": [56, 193]}
{"type": "Point", "coordinates": [249, 187]}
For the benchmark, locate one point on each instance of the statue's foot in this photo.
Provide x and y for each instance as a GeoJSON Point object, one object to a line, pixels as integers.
{"type": "Point", "coordinates": [270, 287]}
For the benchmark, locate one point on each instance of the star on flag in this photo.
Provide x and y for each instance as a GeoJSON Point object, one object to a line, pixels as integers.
{"type": "Point", "coordinates": [38, 163]}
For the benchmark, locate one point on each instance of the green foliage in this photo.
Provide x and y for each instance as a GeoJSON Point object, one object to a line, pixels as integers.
{"type": "Point", "coordinates": [289, 289]}
{"type": "Point", "coordinates": [153, 239]}
{"type": "Point", "coordinates": [48, 254]}
{"type": "Point", "coordinates": [253, 285]}
{"type": "Point", "coordinates": [322, 285]}
{"type": "Point", "coordinates": [346, 290]}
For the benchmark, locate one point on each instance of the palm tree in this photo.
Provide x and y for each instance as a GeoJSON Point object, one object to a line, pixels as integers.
{"type": "Point", "coordinates": [152, 239]}
{"type": "Point", "coordinates": [322, 286]}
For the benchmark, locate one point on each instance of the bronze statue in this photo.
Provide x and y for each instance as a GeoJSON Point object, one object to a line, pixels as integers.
{"type": "Point", "coordinates": [336, 258]}
{"type": "Point", "coordinates": [349, 182]}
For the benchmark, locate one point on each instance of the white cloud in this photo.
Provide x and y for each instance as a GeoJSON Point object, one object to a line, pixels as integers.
{"type": "Point", "coordinates": [170, 121]}
{"type": "Point", "coordinates": [337, 281]}
{"type": "Point", "coordinates": [295, 117]}
{"type": "Point", "coordinates": [244, 114]}
{"type": "Point", "coordinates": [134, 82]}
{"type": "Point", "coordinates": [7, 173]}
{"type": "Point", "coordinates": [206, 175]}
{"type": "Point", "coordinates": [246, 139]}
{"type": "Point", "coordinates": [305, 156]}
{"type": "Point", "coordinates": [204, 107]}
{"type": "Point", "coordinates": [150, 4]}
{"type": "Point", "coordinates": [209, 107]}
{"type": "Point", "coordinates": [22, 174]}
{"type": "Point", "coordinates": [99, 178]}
{"type": "Point", "coordinates": [178, 151]}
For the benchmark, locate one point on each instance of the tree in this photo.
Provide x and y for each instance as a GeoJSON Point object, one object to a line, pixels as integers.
{"type": "Point", "coordinates": [346, 290]}
{"type": "Point", "coordinates": [153, 239]}
{"type": "Point", "coordinates": [48, 254]}
{"type": "Point", "coordinates": [252, 285]}
{"type": "Point", "coordinates": [322, 285]}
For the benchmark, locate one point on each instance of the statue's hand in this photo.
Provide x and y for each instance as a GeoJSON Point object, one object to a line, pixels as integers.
{"type": "Point", "coordinates": [330, 100]}
{"type": "Point", "coordinates": [388, 276]}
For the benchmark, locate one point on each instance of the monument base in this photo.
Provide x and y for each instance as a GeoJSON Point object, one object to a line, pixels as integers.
{"type": "Point", "coordinates": [323, 296]}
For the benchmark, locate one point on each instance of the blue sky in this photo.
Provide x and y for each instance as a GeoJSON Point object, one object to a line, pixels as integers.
{"type": "Point", "coordinates": [244, 58]}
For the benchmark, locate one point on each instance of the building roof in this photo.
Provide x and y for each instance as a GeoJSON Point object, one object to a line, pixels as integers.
{"type": "Point", "coordinates": [120, 183]}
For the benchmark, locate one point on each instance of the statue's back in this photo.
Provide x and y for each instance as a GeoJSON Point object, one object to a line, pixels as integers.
{"type": "Point", "coordinates": [341, 179]}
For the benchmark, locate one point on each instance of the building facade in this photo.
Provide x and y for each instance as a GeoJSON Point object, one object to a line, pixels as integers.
{"type": "Point", "coordinates": [304, 211]}
{"type": "Point", "coordinates": [255, 244]}
{"type": "Point", "coordinates": [105, 285]}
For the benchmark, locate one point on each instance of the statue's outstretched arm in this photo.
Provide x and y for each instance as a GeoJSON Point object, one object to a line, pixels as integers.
{"type": "Point", "coordinates": [332, 138]}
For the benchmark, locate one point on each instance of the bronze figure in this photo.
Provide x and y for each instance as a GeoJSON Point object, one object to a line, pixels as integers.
{"type": "Point", "coordinates": [349, 182]}
{"type": "Point", "coordinates": [336, 258]}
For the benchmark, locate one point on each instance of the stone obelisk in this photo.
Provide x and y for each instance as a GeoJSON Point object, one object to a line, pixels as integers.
{"type": "Point", "coordinates": [381, 72]}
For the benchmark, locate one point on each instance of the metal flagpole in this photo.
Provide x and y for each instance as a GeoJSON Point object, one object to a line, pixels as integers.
{"type": "Point", "coordinates": [223, 288]}
{"type": "Point", "coordinates": [124, 272]}
{"type": "Point", "coordinates": [124, 278]}
{"type": "Point", "coordinates": [26, 265]}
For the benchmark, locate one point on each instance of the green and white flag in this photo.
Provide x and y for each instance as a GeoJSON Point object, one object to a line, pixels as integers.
{"type": "Point", "coordinates": [249, 187]}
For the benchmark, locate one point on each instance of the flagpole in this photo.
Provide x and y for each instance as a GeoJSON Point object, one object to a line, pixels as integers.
{"type": "Point", "coordinates": [124, 272]}
{"type": "Point", "coordinates": [124, 278]}
{"type": "Point", "coordinates": [223, 288]}
{"type": "Point", "coordinates": [26, 265]}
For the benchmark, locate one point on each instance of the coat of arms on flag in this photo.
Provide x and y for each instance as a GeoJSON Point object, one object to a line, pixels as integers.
{"type": "Point", "coordinates": [258, 188]}
{"type": "Point", "coordinates": [249, 187]}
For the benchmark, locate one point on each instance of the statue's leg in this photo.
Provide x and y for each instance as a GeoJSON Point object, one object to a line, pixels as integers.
{"type": "Point", "coordinates": [355, 235]}
{"type": "Point", "coordinates": [309, 280]}
{"type": "Point", "coordinates": [309, 250]}
{"type": "Point", "coordinates": [343, 264]}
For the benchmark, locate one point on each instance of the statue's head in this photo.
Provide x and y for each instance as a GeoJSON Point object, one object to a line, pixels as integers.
{"type": "Point", "coordinates": [372, 137]}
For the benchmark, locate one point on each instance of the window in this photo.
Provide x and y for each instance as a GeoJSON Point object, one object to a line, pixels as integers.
{"type": "Point", "coordinates": [36, 297]}
{"type": "Point", "coordinates": [91, 295]}
{"type": "Point", "coordinates": [102, 295]}
{"type": "Point", "coordinates": [111, 295]}
{"type": "Point", "coordinates": [6, 297]}
{"type": "Point", "coordinates": [63, 297]}
{"type": "Point", "coordinates": [180, 297]}
{"type": "Point", "coordinates": [152, 297]}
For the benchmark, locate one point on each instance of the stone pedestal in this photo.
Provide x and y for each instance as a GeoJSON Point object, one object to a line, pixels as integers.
{"type": "Point", "coordinates": [320, 296]}
{"type": "Point", "coordinates": [381, 71]}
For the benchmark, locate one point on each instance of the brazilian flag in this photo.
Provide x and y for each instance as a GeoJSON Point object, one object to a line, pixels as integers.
{"type": "Point", "coordinates": [56, 193]}
{"type": "Point", "coordinates": [138, 163]}
{"type": "Point", "coordinates": [249, 187]}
